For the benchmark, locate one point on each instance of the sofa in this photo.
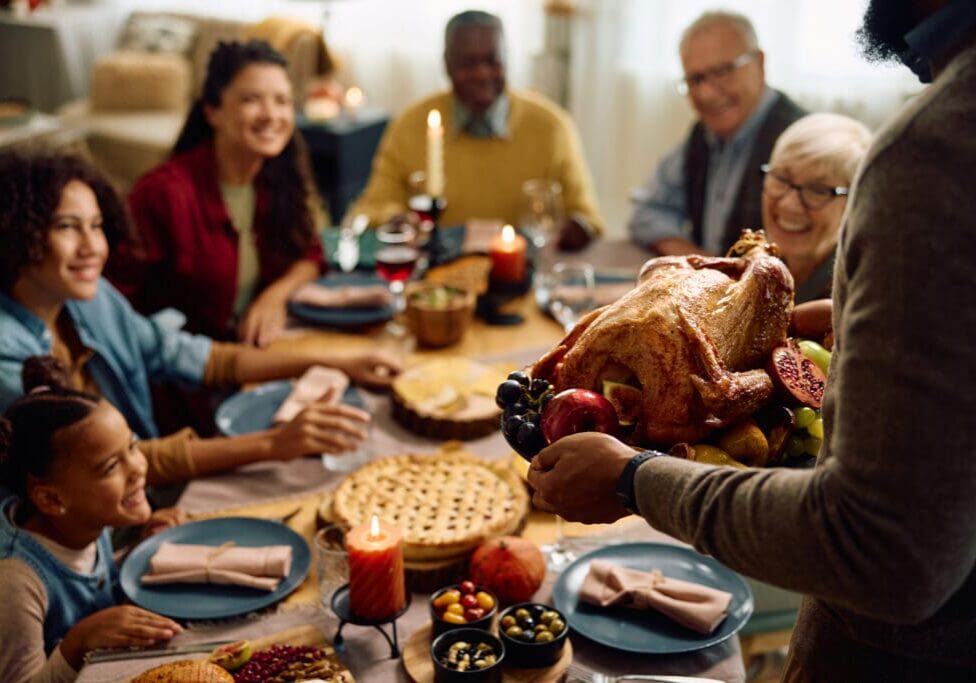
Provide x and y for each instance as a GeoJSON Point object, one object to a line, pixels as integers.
{"type": "Point", "coordinates": [141, 91]}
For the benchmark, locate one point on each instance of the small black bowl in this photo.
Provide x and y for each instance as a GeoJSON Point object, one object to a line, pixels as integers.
{"type": "Point", "coordinates": [440, 626]}
{"type": "Point", "coordinates": [441, 645]}
{"type": "Point", "coordinates": [531, 654]}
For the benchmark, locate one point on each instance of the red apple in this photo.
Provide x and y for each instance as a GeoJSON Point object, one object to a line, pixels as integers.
{"type": "Point", "coordinates": [577, 410]}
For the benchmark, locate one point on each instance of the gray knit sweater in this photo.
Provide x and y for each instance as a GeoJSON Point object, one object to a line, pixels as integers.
{"type": "Point", "coordinates": [881, 535]}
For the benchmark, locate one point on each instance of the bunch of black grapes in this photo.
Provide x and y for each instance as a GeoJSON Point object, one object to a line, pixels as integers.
{"type": "Point", "coordinates": [522, 400]}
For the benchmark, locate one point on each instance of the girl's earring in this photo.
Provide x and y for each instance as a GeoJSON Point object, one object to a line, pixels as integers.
{"type": "Point", "coordinates": [62, 510]}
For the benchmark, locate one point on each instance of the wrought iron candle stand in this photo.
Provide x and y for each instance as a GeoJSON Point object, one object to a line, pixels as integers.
{"type": "Point", "coordinates": [340, 605]}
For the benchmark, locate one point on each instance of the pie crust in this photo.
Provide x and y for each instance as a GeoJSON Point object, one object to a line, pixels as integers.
{"type": "Point", "coordinates": [446, 504]}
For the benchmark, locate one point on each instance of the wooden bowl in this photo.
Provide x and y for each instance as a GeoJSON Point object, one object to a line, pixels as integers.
{"type": "Point", "coordinates": [438, 315]}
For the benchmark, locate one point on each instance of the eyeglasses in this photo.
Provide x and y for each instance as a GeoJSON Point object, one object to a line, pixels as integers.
{"type": "Point", "coordinates": [720, 74]}
{"type": "Point", "coordinates": [812, 197]}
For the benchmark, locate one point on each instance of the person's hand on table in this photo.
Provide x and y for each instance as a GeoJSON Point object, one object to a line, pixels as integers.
{"type": "Point", "coordinates": [323, 427]}
{"type": "Point", "coordinates": [120, 626]}
{"type": "Point", "coordinates": [572, 236]}
{"type": "Point", "coordinates": [576, 477]}
{"type": "Point", "coordinates": [373, 369]}
{"type": "Point", "coordinates": [264, 320]}
{"type": "Point", "coordinates": [162, 519]}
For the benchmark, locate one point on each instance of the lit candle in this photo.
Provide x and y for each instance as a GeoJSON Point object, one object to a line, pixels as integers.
{"type": "Point", "coordinates": [376, 580]}
{"type": "Point", "coordinates": [353, 100]}
{"type": "Point", "coordinates": [435, 154]}
{"type": "Point", "coordinates": [508, 256]}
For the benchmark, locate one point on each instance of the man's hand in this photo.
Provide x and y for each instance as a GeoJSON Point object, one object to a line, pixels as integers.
{"type": "Point", "coordinates": [122, 626]}
{"type": "Point", "coordinates": [572, 236]}
{"type": "Point", "coordinates": [264, 320]}
{"type": "Point", "coordinates": [374, 369]}
{"type": "Point", "coordinates": [576, 477]}
{"type": "Point", "coordinates": [322, 427]}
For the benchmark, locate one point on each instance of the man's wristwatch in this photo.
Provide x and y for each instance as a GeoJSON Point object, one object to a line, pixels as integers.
{"type": "Point", "coordinates": [625, 484]}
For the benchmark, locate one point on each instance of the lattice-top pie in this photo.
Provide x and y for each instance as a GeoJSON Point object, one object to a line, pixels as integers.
{"type": "Point", "coordinates": [446, 504]}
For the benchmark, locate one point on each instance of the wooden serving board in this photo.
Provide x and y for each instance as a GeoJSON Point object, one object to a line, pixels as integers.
{"type": "Point", "coordinates": [420, 667]}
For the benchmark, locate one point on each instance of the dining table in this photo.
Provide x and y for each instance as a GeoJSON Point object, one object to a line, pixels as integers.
{"type": "Point", "coordinates": [295, 490]}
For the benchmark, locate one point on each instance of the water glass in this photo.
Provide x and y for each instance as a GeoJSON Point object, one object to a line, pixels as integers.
{"type": "Point", "coordinates": [332, 562]}
{"type": "Point", "coordinates": [354, 459]}
{"type": "Point", "coordinates": [571, 292]}
{"type": "Point", "coordinates": [542, 210]}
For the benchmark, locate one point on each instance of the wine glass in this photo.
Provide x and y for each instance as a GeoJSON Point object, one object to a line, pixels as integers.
{"type": "Point", "coordinates": [396, 255]}
{"type": "Point", "coordinates": [570, 295]}
{"type": "Point", "coordinates": [571, 292]}
{"type": "Point", "coordinates": [541, 211]}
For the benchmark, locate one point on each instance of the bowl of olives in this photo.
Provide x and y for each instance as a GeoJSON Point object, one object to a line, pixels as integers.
{"type": "Point", "coordinates": [462, 605]}
{"type": "Point", "coordinates": [534, 635]}
{"type": "Point", "coordinates": [465, 655]}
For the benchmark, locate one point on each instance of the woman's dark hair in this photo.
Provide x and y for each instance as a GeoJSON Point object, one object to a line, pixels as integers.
{"type": "Point", "coordinates": [30, 191]}
{"type": "Point", "coordinates": [287, 178]}
{"type": "Point", "coordinates": [31, 422]}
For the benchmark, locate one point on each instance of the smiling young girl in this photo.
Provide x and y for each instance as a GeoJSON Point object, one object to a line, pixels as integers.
{"type": "Point", "coordinates": [75, 470]}
{"type": "Point", "coordinates": [58, 219]}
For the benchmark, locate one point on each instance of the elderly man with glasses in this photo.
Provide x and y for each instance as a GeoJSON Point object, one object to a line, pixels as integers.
{"type": "Point", "coordinates": [707, 190]}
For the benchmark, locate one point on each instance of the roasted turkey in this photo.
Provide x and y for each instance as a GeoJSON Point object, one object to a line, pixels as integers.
{"type": "Point", "coordinates": [692, 336]}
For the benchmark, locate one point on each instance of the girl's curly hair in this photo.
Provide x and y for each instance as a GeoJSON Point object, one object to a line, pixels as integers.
{"type": "Point", "coordinates": [287, 177]}
{"type": "Point", "coordinates": [30, 191]}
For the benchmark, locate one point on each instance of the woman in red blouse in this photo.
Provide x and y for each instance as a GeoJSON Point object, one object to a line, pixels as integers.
{"type": "Point", "coordinates": [226, 225]}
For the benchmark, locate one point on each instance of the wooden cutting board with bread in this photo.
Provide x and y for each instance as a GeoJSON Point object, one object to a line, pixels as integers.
{"type": "Point", "coordinates": [197, 669]}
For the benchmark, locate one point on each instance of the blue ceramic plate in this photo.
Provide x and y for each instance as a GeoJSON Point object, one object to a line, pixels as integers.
{"type": "Point", "coordinates": [344, 317]}
{"type": "Point", "coordinates": [249, 411]}
{"type": "Point", "coordinates": [212, 601]}
{"type": "Point", "coordinates": [646, 631]}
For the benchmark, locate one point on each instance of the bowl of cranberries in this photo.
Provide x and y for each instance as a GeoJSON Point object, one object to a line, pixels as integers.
{"type": "Point", "coordinates": [462, 605]}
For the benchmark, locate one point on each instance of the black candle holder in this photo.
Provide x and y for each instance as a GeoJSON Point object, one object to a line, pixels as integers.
{"type": "Point", "coordinates": [340, 605]}
{"type": "Point", "coordinates": [429, 209]}
{"type": "Point", "coordinates": [499, 293]}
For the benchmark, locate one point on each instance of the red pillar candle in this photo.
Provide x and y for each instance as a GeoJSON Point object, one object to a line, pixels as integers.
{"type": "Point", "coordinates": [508, 256]}
{"type": "Point", "coordinates": [376, 580]}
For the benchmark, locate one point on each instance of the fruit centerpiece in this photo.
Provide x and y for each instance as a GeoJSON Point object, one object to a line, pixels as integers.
{"type": "Point", "coordinates": [694, 360]}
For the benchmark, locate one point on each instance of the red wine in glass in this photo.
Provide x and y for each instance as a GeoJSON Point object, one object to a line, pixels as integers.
{"type": "Point", "coordinates": [395, 263]}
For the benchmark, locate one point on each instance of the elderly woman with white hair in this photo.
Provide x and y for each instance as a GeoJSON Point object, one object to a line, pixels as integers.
{"type": "Point", "coordinates": [805, 190]}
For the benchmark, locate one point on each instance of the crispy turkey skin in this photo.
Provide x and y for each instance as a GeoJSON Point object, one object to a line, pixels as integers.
{"type": "Point", "coordinates": [693, 336]}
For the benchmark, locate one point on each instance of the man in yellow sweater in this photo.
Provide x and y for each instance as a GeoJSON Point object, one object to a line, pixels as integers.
{"type": "Point", "coordinates": [495, 140]}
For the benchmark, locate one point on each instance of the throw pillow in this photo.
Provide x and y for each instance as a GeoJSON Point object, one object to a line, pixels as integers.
{"type": "Point", "coordinates": [156, 33]}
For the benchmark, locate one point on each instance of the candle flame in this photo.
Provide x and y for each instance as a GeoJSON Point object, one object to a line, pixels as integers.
{"type": "Point", "coordinates": [354, 97]}
{"type": "Point", "coordinates": [433, 119]}
{"type": "Point", "coordinates": [374, 528]}
{"type": "Point", "coordinates": [508, 234]}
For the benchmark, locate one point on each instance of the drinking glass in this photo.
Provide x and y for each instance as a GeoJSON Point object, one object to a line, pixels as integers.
{"type": "Point", "coordinates": [542, 210]}
{"type": "Point", "coordinates": [332, 562]}
{"type": "Point", "coordinates": [354, 459]}
{"type": "Point", "coordinates": [571, 292]}
{"type": "Point", "coordinates": [396, 255]}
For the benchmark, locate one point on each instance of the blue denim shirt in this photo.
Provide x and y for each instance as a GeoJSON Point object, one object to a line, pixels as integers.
{"type": "Point", "coordinates": [70, 596]}
{"type": "Point", "coordinates": [130, 351]}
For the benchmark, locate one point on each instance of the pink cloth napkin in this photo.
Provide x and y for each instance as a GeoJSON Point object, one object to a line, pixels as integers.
{"type": "Point", "coordinates": [309, 388]}
{"type": "Point", "coordinates": [700, 608]}
{"type": "Point", "coordinates": [371, 296]}
{"type": "Point", "coordinates": [261, 567]}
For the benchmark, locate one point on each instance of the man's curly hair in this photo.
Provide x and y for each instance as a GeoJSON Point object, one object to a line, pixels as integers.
{"type": "Point", "coordinates": [30, 191]}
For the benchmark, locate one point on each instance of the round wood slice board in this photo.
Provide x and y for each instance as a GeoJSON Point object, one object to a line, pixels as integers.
{"type": "Point", "coordinates": [417, 662]}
